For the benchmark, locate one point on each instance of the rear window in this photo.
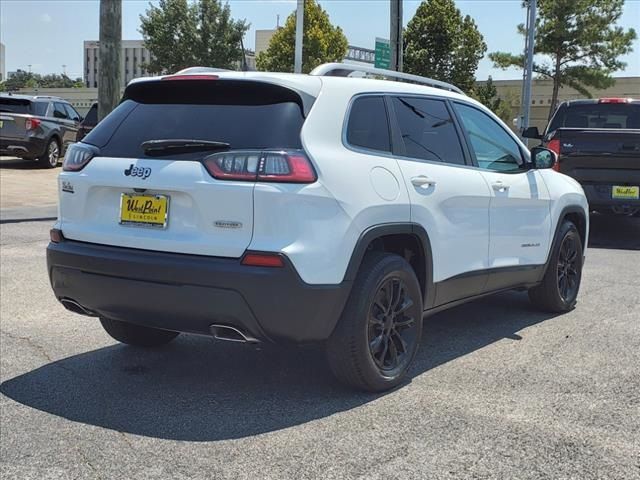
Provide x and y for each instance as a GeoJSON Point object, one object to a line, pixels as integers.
{"type": "Point", "coordinates": [597, 115]}
{"type": "Point", "coordinates": [15, 105]}
{"type": "Point", "coordinates": [247, 115]}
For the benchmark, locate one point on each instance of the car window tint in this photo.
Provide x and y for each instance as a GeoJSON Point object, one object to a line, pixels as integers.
{"type": "Point", "coordinates": [40, 108]}
{"type": "Point", "coordinates": [597, 115]}
{"type": "Point", "coordinates": [92, 115]}
{"type": "Point", "coordinates": [59, 110]}
{"type": "Point", "coordinates": [368, 126]}
{"type": "Point", "coordinates": [494, 148]}
{"type": "Point", "coordinates": [427, 130]}
{"type": "Point", "coordinates": [71, 113]}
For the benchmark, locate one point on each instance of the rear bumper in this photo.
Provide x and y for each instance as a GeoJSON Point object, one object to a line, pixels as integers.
{"type": "Point", "coordinates": [31, 147]}
{"type": "Point", "coordinates": [599, 196]}
{"type": "Point", "coordinates": [189, 293]}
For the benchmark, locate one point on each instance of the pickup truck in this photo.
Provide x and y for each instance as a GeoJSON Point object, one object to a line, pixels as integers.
{"type": "Point", "coordinates": [598, 144]}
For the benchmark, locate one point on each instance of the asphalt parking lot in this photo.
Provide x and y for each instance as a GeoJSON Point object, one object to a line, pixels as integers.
{"type": "Point", "coordinates": [499, 390]}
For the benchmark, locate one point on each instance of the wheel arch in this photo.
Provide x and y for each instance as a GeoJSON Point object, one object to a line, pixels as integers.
{"type": "Point", "coordinates": [577, 215]}
{"type": "Point", "coordinates": [409, 240]}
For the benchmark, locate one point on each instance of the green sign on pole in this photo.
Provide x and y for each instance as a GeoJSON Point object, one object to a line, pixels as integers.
{"type": "Point", "coordinates": [383, 53]}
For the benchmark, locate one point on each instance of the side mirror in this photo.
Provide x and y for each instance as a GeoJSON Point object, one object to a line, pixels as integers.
{"type": "Point", "coordinates": [542, 157]}
{"type": "Point", "coordinates": [531, 132]}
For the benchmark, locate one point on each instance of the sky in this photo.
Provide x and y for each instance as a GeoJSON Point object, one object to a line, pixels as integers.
{"type": "Point", "coordinates": [49, 33]}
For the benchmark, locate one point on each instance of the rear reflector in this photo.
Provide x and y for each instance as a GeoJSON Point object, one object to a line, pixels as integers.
{"type": "Point", "coordinates": [262, 260]}
{"type": "Point", "coordinates": [262, 166]}
{"type": "Point", "coordinates": [614, 100]}
{"type": "Point", "coordinates": [56, 235]}
{"type": "Point", "coordinates": [191, 77]}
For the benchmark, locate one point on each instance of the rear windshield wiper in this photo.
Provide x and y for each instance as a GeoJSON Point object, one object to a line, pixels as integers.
{"type": "Point", "coordinates": [157, 148]}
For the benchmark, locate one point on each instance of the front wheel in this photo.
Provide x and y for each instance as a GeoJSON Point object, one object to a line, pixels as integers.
{"type": "Point", "coordinates": [559, 288]}
{"type": "Point", "coordinates": [137, 335]}
{"type": "Point", "coordinates": [379, 331]}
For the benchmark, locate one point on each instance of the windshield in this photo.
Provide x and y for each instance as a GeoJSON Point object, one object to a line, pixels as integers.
{"type": "Point", "coordinates": [15, 105]}
{"type": "Point", "coordinates": [597, 115]}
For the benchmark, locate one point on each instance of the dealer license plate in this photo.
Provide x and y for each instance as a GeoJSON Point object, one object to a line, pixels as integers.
{"type": "Point", "coordinates": [144, 210]}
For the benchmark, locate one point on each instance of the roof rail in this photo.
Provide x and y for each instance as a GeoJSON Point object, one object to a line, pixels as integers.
{"type": "Point", "coordinates": [47, 96]}
{"type": "Point", "coordinates": [345, 69]}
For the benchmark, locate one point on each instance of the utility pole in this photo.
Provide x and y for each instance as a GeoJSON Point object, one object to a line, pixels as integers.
{"type": "Point", "coordinates": [109, 75]}
{"type": "Point", "coordinates": [297, 65]}
{"type": "Point", "coordinates": [396, 35]}
{"type": "Point", "coordinates": [528, 72]}
{"type": "Point", "coordinates": [64, 70]}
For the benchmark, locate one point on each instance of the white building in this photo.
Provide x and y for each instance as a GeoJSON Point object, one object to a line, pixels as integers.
{"type": "Point", "coordinates": [3, 65]}
{"type": "Point", "coordinates": [134, 57]}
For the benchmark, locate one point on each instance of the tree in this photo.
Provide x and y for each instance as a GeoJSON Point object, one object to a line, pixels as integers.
{"type": "Point", "coordinates": [487, 94]}
{"type": "Point", "coordinates": [179, 34]}
{"type": "Point", "coordinates": [322, 42]}
{"type": "Point", "coordinates": [22, 79]}
{"type": "Point", "coordinates": [580, 44]}
{"type": "Point", "coordinates": [441, 44]}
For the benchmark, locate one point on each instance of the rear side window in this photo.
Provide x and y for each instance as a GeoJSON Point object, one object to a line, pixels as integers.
{"type": "Point", "coordinates": [247, 115]}
{"type": "Point", "coordinates": [40, 108]}
{"type": "Point", "coordinates": [92, 115]}
{"type": "Point", "coordinates": [15, 105]}
{"type": "Point", "coordinates": [427, 130]}
{"type": "Point", "coordinates": [368, 126]}
{"type": "Point", "coordinates": [597, 115]}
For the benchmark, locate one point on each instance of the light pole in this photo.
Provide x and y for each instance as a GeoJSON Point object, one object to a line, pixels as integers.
{"type": "Point", "coordinates": [395, 36]}
{"type": "Point", "coordinates": [528, 72]}
{"type": "Point", "coordinates": [109, 74]}
{"type": "Point", "coordinates": [297, 64]}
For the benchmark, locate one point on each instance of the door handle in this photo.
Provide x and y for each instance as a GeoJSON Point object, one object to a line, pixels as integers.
{"type": "Point", "coordinates": [422, 181]}
{"type": "Point", "coordinates": [499, 186]}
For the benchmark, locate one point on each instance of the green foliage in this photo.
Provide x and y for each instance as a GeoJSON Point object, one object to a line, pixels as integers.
{"type": "Point", "coordinates": [22, 79]}
{"type": "Point", "coordinates": [180, 34]}
{"type": "Point", "coordinates": [322, 42]}
{"type": "Point", "coordinates": [579, 42]}
{"type": "Point", "coordinates": [439, 43]}
{"type": "Point", "coordinates": [487, 94]}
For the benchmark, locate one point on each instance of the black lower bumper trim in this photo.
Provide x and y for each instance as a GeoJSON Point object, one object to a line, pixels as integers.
{"type": "Point", "coordinates": [189, 293]}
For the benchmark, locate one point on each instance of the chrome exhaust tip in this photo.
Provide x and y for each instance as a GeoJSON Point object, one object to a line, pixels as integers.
{"type": "Point", "coordinates": [231, 334]}
{"type": "Point", "coordinates": [75, 307]}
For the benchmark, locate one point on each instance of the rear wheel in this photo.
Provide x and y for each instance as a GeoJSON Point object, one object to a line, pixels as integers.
{"type": "Point", "coordinates": [51, 155]}
{"type": "Point", "coordinates": [137, 335]}
{"type": "Point", "coordinates": [379, 331]}
{"type": "Point", "coordinates": [561, 283]}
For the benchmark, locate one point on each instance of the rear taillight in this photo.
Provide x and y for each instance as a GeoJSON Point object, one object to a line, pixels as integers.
{"type": "Point", "coordinates": [32, 123]}
{"type": "Point", "coordinates": [262, 166]}
{"type": "Point", "coordinates": [554, 145]}
{"type": "Point", "coordinates": [77, 156]}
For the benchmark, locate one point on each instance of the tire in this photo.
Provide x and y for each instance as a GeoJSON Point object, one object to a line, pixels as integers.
{"type": "Point", "coordinates": [361, 349]}
{"type": "Point", "coordinates": [137, 335]}
{"type": "Point", "coordinates": [51, 155]}
{"type": "Point", "coordinates": [561, 282]}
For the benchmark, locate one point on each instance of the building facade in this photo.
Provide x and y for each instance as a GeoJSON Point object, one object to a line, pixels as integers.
{"type": "Point", "coordinates": [134, 58]}
{"type": "Point", "coordinates": [542, 90]}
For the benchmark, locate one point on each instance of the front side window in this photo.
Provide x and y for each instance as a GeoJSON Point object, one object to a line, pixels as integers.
{"type": "Point", "coordinates": [71, 113]}
{"type": "Point", "coordinates": [427, 130]}
{"type": "Point", "coordinates": [368, 126]}
{"type": "Point", "coordinates": [494, 148]}
{"type": "Point", "coordinates": [59, 110]}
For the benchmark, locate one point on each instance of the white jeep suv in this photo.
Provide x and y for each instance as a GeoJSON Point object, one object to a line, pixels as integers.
{"type": "Point", "coordinates": [272, 207]}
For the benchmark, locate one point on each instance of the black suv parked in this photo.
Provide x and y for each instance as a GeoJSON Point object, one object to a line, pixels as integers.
{"type": "Point", "coordinates": [37, 128]}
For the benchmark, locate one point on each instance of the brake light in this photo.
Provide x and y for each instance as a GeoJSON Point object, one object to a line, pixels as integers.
{"type": "Point", "coordinates": [32, 123]}
{"type": "Point", "coordinates": [191, 77]}
{"type": "Point", "coordinates": [77, 156]}
{"type": "Point", "coordinates": [614, 100]}
{"type": "Point", "coordinates": [261, 166]}
{"type": "Point", "coordinates": [554, 145]}
{"type": "Point", "coordinates": [262, 260]}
